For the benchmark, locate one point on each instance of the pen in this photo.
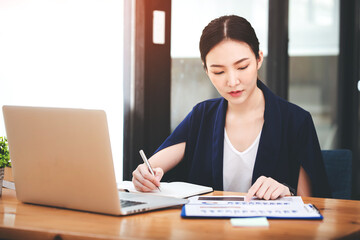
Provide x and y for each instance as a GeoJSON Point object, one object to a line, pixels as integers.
{"type": "Point", "coordinates": [142, 154]}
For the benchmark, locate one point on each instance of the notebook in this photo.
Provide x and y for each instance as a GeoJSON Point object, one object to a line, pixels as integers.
{"type": "Point", "coordinates": [62, 158]}
{"type": "Point", "coordinates": [171, 189]}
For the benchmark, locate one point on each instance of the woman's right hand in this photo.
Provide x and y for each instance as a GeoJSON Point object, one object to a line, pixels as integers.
{"type": "Point", "coordinates": [144, 181]}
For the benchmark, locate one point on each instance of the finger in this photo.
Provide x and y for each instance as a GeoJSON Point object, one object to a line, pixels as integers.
{"type": "Point", "coordinates": [155, 180]}
{"type": "Point", "coordinates": [159, 173]}
{"type": "Point", "coordinates": [148, 183]}
{"type": "Point", "coordinates": [273, 187]}
{"type": "Point", "coordinates": [263, 188]}
{"type": "Point", "coordinates": [144, 171]}
{"type": "Point", "coordinates": [254, 188]}
{"type": "Point", "coordinates": [138, 173]}
{"type": "Point", "coordinates": [144, 184]}
{"type": "Point", "coordinates": [140, 187]}
{"type": "Point", "coordinates": [145, 178]}
{"type": "Point", "coordinates": [285, 191]}
{"type": "Point", "coordinates": [276, 193]}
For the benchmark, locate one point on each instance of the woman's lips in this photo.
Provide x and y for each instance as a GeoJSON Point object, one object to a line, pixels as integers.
{"type": "Point", "coordinates": [236, 93]}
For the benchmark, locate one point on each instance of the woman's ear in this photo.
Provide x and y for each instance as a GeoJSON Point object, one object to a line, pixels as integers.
{"type": "Point", "coordinates": [260, 59]}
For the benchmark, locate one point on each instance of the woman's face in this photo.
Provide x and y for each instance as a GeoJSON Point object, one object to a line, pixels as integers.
{"type": "Point", "coordinates": [232, 68]}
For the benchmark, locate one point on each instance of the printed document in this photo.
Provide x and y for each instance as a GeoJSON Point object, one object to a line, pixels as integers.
{"type": "Point", "coordinates": [235, 206]}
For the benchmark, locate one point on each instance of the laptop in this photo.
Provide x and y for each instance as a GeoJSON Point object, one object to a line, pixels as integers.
{"type": "Point", "coordinates": [62, 157]}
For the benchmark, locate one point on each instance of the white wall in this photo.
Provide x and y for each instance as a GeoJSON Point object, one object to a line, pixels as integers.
{"type": "Point", "coordinates": [64, 54]}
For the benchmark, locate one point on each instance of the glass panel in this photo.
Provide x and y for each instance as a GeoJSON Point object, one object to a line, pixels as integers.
{"type": "Point", "coordinates": [189, 83]}
{"type": "Point", "coordinates": [313, 63]}
{"type": "Point", "coordinates": [64, 54]}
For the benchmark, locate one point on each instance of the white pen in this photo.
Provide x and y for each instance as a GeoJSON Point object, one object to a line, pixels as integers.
{"type": "Point", "coordinates": [142, 154]}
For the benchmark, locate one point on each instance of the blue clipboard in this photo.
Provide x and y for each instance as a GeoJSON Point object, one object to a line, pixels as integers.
{"type": "Point", "coordinates": [316, 215]}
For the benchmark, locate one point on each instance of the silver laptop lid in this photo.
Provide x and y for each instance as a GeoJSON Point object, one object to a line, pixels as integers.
{"type": "Point", "coordinates": [62, 157]}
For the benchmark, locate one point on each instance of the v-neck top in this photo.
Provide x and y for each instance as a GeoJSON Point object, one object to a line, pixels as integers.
{"type": "Point", "coordinates": [238, 166]}
{"type": "Point", "coordinates": [288, 140]}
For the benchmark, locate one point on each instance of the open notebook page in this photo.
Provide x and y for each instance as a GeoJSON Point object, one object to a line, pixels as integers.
{"type": "Point", "coordinates": [172, 189]}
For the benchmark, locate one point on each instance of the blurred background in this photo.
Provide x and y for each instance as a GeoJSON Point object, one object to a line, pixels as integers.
{"type": "Point", "coordinates": [139, 61]}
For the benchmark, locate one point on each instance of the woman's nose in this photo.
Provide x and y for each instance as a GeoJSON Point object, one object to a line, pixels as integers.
{"type": "Point", "coordinates": [233, 79]}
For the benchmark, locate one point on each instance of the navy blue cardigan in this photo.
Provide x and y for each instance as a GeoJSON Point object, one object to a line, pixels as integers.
{"type": "Point", "coordinates": [288, 140]}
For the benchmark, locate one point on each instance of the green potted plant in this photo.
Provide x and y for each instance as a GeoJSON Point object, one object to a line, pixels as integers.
{"type": "Point", "coordinates": [4, 159]}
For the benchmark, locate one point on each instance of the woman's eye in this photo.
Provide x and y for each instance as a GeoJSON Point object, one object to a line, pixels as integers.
{"type": "Point", "coordinates": [242, 68]}
{"type": "Point", "coordinates": [218, 73]}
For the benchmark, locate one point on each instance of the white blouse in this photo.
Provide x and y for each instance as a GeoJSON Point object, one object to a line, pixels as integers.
{"type": "Point", "coordinates": [238, 166]}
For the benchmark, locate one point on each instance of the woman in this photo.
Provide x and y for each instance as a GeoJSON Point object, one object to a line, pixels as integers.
{"type": "Point", "coordinates": [249, 140]}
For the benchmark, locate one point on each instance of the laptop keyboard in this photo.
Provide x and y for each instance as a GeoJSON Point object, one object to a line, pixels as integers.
{"type": "Point", "coordinates": [128, 203]}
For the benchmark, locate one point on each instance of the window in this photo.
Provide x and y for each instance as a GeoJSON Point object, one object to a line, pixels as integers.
{"type": "Point", "coordinates": [313, 63]}
{"type": "Point", "coordinates": [64, 54]}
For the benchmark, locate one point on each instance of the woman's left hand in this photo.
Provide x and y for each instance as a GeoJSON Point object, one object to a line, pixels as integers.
{"type": "Point", "coordinates": [267, 188]}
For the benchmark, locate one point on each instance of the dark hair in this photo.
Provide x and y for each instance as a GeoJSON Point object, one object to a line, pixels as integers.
{"type": "Point", "coordinates": [227, 27]}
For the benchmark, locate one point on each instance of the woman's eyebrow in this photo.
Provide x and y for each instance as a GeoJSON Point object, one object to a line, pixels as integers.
{"type": "Point", "coordinates": [239, 61]}
{"type": "Point", "coordinates": [235, 63]}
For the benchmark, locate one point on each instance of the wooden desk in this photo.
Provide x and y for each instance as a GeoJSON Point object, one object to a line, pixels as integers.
{"type": "Point", "coordinates": [26, 221]}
